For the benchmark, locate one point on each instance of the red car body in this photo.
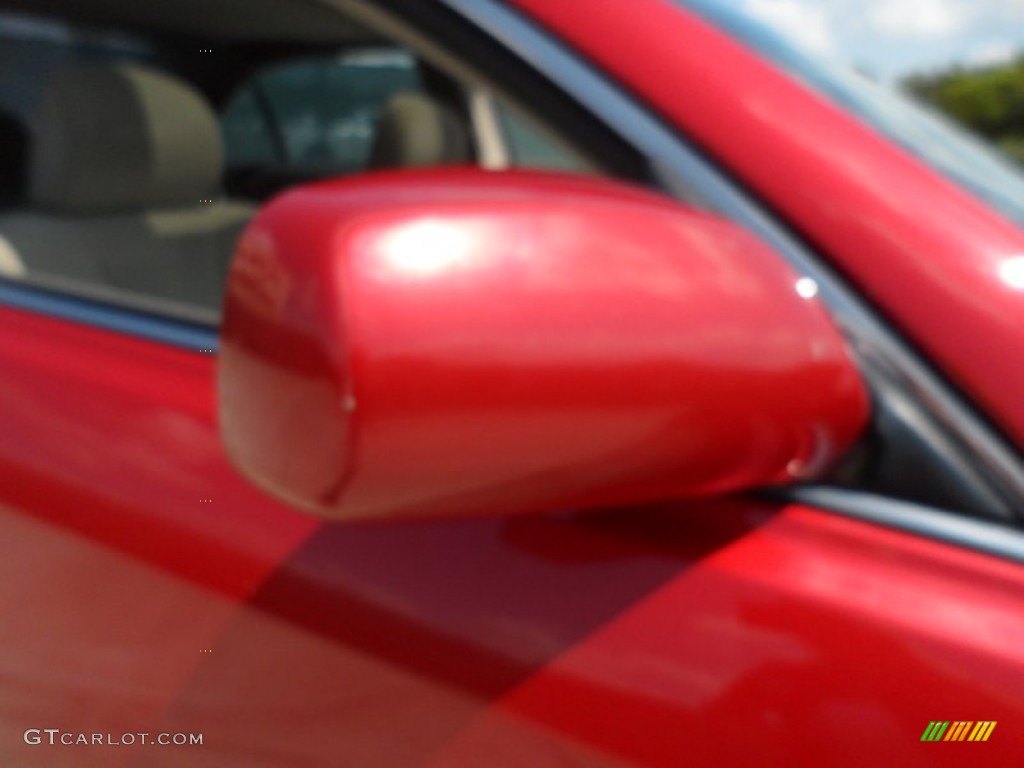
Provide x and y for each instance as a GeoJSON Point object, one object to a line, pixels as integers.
{"type": "Point", "coordinates": [148, 587]}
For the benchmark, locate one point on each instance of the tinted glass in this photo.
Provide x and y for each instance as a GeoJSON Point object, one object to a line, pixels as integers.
{"type": "Point", "coordinates": [530, 146]}
{"type": "Point", "coordinates": [317, 113]}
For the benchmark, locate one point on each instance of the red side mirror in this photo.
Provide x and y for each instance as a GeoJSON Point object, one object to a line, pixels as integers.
{"type": "Point", "coordinates": [471, 342]}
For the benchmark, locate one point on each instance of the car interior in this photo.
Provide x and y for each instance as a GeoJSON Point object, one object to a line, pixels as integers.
{"type": "Point", "coordinates": [138, 139]}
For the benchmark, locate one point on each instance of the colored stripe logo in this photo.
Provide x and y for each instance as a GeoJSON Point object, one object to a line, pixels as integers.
{"type": "Point", "coordinates": [958, 730]}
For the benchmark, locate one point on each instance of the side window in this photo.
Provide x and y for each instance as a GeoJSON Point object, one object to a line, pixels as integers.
{"type": "Point", "coordinates": [151, 152]}
{"type": "Point", "coordinates": [31, 50]}
{"type": "Point", "coordinates": [315, 115]}
{"type": "Point", "coordinates": [529, 145]}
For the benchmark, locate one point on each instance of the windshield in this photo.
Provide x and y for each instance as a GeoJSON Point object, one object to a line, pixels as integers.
{"type": "Point", "coordinates": [936, 140]}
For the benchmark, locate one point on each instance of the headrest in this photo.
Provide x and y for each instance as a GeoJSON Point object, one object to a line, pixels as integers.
{"type": "Point", "coordinates": [118, 138]}
{"type": "Point", "coordinates": [416, 131]}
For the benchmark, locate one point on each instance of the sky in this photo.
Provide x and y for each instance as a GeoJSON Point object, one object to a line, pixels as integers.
{"type": "Point", "coordinates": [888, 39]}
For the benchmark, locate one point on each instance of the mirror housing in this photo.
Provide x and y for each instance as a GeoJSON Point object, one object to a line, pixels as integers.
{"type": "Point", "coordinates": [460, 341]}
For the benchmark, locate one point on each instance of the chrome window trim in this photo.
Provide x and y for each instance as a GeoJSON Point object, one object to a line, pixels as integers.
{"type": "Point", "coordinates": [970, 533]}
{"type": "Point", "coordinates": [97, 314]}
{"type": "Point", "coordinates": [688, 175]}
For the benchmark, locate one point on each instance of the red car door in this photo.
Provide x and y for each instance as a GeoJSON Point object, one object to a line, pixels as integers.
{"type": "Point", "coordinates": [719, 631]}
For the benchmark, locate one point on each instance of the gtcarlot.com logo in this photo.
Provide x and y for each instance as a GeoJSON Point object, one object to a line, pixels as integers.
{"type": "Point", "coordinates": [57, 737]}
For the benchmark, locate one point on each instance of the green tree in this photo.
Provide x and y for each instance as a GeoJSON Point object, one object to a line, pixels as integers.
{"type": "Point", "coordinates": [988, 101]}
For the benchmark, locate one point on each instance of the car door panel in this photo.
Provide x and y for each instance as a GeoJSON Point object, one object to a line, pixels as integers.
{"type": "Point", "coordinates": [115, 436]}
{"type": "Point", "coordinates": [628, 636]}
{"type": "Point", "coordinates": [94, 641]}
{"type": "Point", "coordinates": [812, 640]}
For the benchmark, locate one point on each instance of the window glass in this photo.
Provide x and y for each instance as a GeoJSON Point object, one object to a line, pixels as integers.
{"type": "Point", "coordinates": [248, 140]}
{"type": "Point", "coordinates": [289, 121]}
{"type": "Point", "coordinates": [30, 49]}
{"type": "Point", "coordinates": [317, 114]}
{"type": "Point", "coordinates": [531, 146]}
